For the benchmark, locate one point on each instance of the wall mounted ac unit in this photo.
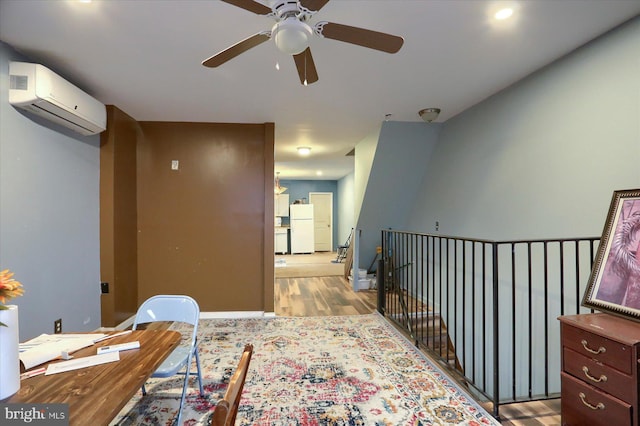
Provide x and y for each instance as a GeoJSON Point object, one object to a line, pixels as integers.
{"type": "Point", "coordinates": [36, 88]}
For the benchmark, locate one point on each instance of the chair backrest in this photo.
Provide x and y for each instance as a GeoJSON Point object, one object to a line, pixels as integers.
{"type": "Point", "coordinates": [168, 307]}
{"type": "Point", "coordinates": [224, 413]}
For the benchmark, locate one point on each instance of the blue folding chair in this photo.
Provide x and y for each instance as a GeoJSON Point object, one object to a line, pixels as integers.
{"type": "Point", "coordinates": [180, 309]}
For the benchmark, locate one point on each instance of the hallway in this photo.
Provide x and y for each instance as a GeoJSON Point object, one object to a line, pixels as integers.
{"type": "Point", "coordinates": [312, 285]}
{"type": "Point", "coordinates": [320, 296]}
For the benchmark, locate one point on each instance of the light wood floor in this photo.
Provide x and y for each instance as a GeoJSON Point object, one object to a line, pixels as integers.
{"type": "Point", "coordinates": [320, 296]}
{"type": "Point", "coordinates": [327, 296]}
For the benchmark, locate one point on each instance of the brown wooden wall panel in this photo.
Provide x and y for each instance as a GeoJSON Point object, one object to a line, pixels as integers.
{"type": "Point", "coordinates": [268, 256]}
{"type": "Point", "coordinates": [118, 218]}
{"type": "Point", "coordinates": [202, 229]}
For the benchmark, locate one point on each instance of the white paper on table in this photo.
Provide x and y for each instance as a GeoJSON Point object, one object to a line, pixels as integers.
{"type": "Point", "coordinates": [46, 347]}
{"type": "Point", "coordinates": [84, 362]}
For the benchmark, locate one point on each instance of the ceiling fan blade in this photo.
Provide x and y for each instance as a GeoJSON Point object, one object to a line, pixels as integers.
{"type": "Point", "coordinates": [306, 67]}
{"type": "Point", "coordinates": [313, 5]}
{"type": "Point", "coordinates": [238, 48]}
{"type": "Point", "coordinates": [366, 38]}
{"type": "Point", "coordinates": [251, 6]}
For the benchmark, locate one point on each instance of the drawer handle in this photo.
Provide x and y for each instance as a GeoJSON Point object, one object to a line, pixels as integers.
{"type": "Point", "coordinates": [600, 405]}
{"type": "Point", "coordinates": [602, 378]}
{"type": "Point", "coordinates": [600, 350]}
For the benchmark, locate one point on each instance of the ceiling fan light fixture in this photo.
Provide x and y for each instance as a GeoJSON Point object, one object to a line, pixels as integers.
{"type": "Point", "coordinates": [291, 36]}
{"type": "Point", "coordinates": [429, 114]}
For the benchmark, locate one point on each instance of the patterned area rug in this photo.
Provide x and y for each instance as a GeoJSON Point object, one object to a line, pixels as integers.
{"type": "Point", "coordinates": [350, 370]}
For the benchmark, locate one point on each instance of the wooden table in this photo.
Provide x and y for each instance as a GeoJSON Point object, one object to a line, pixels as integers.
{"type": "Point", "coordinates": [97, 394]}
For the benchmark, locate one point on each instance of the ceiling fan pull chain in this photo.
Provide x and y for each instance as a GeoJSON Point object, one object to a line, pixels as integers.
{"type": "Point", "coordinates": [305, 68]}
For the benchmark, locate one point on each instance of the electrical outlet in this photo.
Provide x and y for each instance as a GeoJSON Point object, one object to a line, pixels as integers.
{"type": "Point", "coordinates": [57, 326]}
{"type": "Point", "coordinates": [437, 225]}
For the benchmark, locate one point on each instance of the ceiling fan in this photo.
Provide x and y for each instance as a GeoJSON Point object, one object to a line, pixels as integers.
{"type": "Point", "coordinates": [291, 34]}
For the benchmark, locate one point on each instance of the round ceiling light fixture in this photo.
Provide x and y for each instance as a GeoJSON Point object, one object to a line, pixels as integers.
{"type": "Point", "coordinates": [503, 14]}
{"type": "Point", "coordinates": [429, 114]}
{"type": "Point", "coordinates": [304, 150]}
{"type": "Point", "coordinates": [291, 35]}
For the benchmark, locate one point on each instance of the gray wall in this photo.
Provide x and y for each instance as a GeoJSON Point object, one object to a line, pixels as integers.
{"type": "Point", "coordinates": [49, 224]}
{"type": "Point", "coordinates": [540, 160]}
{"type": "Point", "coordinates": [543, 157]}
{"type": "Point", "coordinates": [402, 153]}
{"type": "Point", "coordinates": [363, 162]}
{"type": "Point", "coordinates": [345, 207]}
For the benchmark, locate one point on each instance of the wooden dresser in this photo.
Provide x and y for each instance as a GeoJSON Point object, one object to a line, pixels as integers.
{"type": "Point", "coordinates": [600, 356]}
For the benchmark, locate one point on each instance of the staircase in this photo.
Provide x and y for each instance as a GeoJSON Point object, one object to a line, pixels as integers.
{"type": "Point", "coordinates": [429, 331]}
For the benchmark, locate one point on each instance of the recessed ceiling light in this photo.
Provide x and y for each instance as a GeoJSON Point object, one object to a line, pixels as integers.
{"type": "Point", "coordinates": [319, 173]}
{"type": "Point", "coordinates": [504, 13]}
{"type": "Point", "coordinates": [304, 150]}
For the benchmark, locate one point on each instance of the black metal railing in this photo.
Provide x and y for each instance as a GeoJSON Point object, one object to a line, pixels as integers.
{"type": "Point", "coordinates": [487, 310]}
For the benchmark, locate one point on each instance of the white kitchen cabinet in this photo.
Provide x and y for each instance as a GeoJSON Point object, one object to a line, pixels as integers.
{"type": "Point", "coordinates": [281, 240]}
{"type": "Point", "coordinates": [281, 204]}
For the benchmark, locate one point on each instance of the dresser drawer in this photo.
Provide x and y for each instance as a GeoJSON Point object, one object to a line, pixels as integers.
{"type": "Point", "coordinates": [606, 351]}
{"type": "Point", "coordinates": [583, 404]}
{"type": "Point", "coordinates": [598, 375]}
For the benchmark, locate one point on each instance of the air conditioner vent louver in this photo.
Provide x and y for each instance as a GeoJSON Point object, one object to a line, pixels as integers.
{"type": "Point", "coordinates": [32, 87]}
{"type": "Point", "coordinates": [61, 115]}
{"type": "Point", "coordinates": [19, 82]}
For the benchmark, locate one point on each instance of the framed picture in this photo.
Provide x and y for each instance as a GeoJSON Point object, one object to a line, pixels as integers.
{"type": "Point", "coordinates": [614, 283]}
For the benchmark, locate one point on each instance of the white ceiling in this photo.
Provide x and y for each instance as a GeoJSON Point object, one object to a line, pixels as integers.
{"type": "Point", "coordinates": [145, 57]}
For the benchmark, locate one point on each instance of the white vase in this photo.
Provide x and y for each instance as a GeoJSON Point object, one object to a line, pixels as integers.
{"type": "Point", "coordinates": [9, 352]}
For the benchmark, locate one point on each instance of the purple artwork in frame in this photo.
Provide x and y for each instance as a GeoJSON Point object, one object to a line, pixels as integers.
{"type": "Point", "coordinates": [614, 284]}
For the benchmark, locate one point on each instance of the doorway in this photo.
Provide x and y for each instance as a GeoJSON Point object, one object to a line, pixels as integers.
{"type": "Point", "coordinates": [323, 220]}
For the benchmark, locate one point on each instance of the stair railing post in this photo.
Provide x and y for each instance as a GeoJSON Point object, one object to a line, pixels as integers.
{"type": "Point", "coordinates": [380, 274]}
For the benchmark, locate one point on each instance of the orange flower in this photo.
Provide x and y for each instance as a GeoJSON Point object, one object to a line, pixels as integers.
{"type": "Point", "coordinates": [9, 288]}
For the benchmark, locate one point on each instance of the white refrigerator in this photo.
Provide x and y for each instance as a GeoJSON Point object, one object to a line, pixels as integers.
{"type": "Point", "coordinates": [301, 223]}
